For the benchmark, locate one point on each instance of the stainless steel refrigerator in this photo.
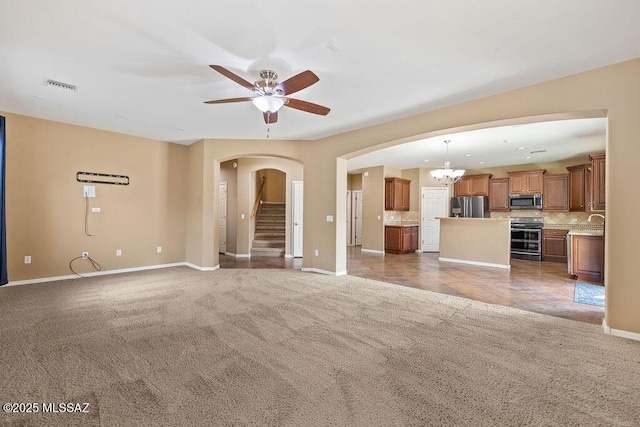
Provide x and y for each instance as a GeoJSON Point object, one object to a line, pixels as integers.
{"type": "Point", "coordinates": [470, 207]}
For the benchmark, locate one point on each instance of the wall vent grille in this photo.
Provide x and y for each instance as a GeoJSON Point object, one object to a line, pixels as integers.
{"type": "Point", "coordinates": [60, 85]}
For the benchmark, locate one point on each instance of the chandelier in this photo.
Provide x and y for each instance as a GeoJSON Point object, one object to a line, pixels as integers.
{"type": "Point", "coordinates": [447, 175]}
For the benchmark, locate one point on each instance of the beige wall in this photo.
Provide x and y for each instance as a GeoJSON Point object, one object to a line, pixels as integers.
{"type": "Point", "coordinates": [274, 185]}
{"type": "Point", "coordinates": [45, 203]}
{"type": "Point", "coordinates": [354, 181]}
{"type": "Point", "coordinates": [373, 209]}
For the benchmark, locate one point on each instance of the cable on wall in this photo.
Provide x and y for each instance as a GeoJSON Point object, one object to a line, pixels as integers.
{"type": "Point", "coordinates": [86, 215]}
{"type": "Point", "coordinates": [94, 263]}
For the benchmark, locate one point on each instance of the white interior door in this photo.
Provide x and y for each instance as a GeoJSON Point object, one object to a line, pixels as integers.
{"type": "Point", "coordinates": [357, 217]}
{"type": "Point", "coordinates": [348, 217]}
{"type": "Point", "coordinates": [296, 215]}
{"type": "Point", "coordinates": [223, 218]}
{"type": "Point", "coordinates": [435, 204]}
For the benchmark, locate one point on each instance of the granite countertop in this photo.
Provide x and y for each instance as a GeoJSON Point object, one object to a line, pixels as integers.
{"type": "Point", "coordinates": [586, 232]}
{"type": "Point", "coordinates": [402, 223]}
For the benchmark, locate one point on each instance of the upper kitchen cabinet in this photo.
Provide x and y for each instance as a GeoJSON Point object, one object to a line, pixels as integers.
{"type": "Point", "coordinates": [598, 176]}
{"type": "Point", "coordinates": [396, 191]}
{"type": "Point", "coordinates": [526, 182]}
{"type": "Point", "coordinates": [555, 193]}
{"type": "Point", "coordinates": [499, 195]}
{"type": "Point", "coordinates": [587, 185]}
{"type": "Point", "coordinates": [472, 185]}
{"type": "Point", "coordinates": [579, 188]}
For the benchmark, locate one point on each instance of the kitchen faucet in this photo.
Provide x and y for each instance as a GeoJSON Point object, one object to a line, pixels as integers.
{"type": "Point", "coordinates": [592, 215]}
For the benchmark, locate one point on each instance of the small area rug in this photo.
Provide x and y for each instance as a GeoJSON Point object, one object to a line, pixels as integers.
{"type": "Point", "coordinates": [589, 294]}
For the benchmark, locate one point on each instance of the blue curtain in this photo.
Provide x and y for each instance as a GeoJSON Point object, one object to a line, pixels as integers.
{"type": "Point", "coordinates": [4, 277]}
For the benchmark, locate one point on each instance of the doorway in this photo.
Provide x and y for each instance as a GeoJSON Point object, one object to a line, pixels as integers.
{"type": "Point", "coordinates": [297, 198]}
{"type": "Point", "coordinates": [357, 217]}
{"type": "Point", "coordinates": [223, 218]}
{"type": "Point", "coordinates": [435, 204]}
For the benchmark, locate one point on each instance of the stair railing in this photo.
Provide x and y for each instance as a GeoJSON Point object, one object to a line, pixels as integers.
{"type": "Point", "coordinates": [256, 205]}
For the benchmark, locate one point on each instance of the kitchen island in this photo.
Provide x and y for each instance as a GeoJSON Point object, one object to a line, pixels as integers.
{"type": "Point", "coordinates": [477, 241]}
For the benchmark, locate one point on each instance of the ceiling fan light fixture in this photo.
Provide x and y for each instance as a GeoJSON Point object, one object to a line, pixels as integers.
{"type": "Point", "coordinates": [267, 103]}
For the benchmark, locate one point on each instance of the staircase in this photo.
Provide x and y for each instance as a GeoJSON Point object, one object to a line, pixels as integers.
{"type": "Point", "coordinates": [268, 240]}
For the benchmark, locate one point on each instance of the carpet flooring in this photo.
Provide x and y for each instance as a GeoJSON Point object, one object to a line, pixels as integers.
{"type": "Point", "coordinates": [178, 347]}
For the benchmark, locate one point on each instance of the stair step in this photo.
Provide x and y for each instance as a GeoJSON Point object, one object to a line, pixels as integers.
{"type": "Point", "coordinates": [267, 252]}
{"type": "Point", "coordinates": [269, 235]}
{"type": "Point", "coordinates": [268, 244]}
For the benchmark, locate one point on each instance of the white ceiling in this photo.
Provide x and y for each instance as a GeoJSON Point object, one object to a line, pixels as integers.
{"type": "Point", "coordinates": [141, 67]}
{"type": "Point", "coordinates": [543, 142]}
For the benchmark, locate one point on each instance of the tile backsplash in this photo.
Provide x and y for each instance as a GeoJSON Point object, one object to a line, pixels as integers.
{"type": "Point", "coordinates": [401, 216]}
{"type": "Point", "coordinates": [556, 219]}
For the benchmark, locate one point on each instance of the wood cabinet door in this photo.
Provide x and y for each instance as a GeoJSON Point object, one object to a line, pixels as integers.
{"type": "Point", "coordinates": [598, 170]}
{"type": "Point", "coordinates": [462, 187]}
{"type": "Point", "coordinates": [414, 239]}
{"type": "Point", "coordinates": [555, 197]}
{"type": "Point", "coordinates": [517, 183]}
{"type": "Point", "coordinates": [480, 185]}
{"type": "Point", "coordinates": [576, 188]}
{"type": "Point", "coordinates": [406, 193]}
{"type": "Point", "coordinates": [392, 239]}
{"type": "Point", "coordinates": [499, 195]}
{"type": "Point", "coordinates": [587, 257]}
{"type": "Point", "coordinates": [535, 183]}
{"type": "Point", "coordinates": [554, 245]}
{"type": "Point", "coordinates": [388, 195]}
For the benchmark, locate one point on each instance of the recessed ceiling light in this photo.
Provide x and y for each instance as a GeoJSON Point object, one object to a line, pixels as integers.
{"type": "Point", "coordinates": [40, 97]}
{"type": "Point", "coordinates": [426, 161]}
{"type": "Point", "coordinates": [180, 129]}
{"type": "Point", "coordinates": [468, 155]}
{"type": "Point", "coordinates": [522, 148]}
{"type": "Point", "coordinates": [528, 157]}
{"type": "Point", "coordinates": [507, 140]}
{"type": "Point", "coordinates": [481, 163]}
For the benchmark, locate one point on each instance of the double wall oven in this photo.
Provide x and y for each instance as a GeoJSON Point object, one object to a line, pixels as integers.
{"type": "Point", "coordinates": [526, 238]}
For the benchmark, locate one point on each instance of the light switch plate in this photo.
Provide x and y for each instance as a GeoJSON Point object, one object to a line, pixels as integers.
{"type": "Point", "coordinates": [329, 218]}
{"type": "Point", "coordinates": [96, 210]}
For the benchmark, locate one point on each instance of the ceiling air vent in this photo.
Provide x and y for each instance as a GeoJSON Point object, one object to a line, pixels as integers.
{"type": "Point", "coordinates": [538, 151]}
{"type": "Point", "coordinates": [60, 85]}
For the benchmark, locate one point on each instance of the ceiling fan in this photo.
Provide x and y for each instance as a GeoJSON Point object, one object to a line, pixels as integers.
{"type": "Point", "coordinates": [272, 95]}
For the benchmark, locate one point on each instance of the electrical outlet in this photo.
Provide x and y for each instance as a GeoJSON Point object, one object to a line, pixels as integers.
{"type": "Point", "coordinates": [89, 191]}
{"type": "Point", "coordinates": [85, 255]}
{"type": "Point", "coordinates": [27, 259]}
{"type": "Point", "coordinates": [118, 252]}
{"type": "Point", "coordinates": [159, 249]}
{"type": "Point", "coordinates": [316, 252]}
{"type": "Point", "coordinates": [96, 210]}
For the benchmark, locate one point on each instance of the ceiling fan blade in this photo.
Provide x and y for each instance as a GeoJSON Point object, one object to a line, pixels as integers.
{"type": "Point", "coordinates": [297, 82]}
{"type": "Point", "coordinates": [306, 106]}
{"type": "Point", "coordinates": [236, 78]}
{"type": "Point", "coordinates": [225, 101]}
{"type": "Point", "coordinates": [270, 117]}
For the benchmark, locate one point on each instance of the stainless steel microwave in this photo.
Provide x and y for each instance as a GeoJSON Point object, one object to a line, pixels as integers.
{"type": "Point", "coordinates": [525, 201]}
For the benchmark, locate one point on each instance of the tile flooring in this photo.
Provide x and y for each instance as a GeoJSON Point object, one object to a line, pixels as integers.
{"type": "Point", "coordinates": [540, 287]}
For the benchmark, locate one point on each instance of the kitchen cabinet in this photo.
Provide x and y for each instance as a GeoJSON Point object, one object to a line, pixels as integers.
{"type": "Point", "coordinates": [499, 195]}
{"type": "Point", "coordinates": [526, 182]}
{"type": "Point", "coordinates": [400, 239]}
{"type": "Point", "coordinates": [397, 191]}
{"type": "Point", "coordinates": [555, 195]}
{"type": "Point", "coordinates": [472, 185]}
{"type": "Point", "coordinates": [587, 257]}
{"type": "Point", "coordinates": [598, 176]}
{"type": "Point", "coordinates": [554, 245]}
{"type": "Point", "coordinates": [579, 188]}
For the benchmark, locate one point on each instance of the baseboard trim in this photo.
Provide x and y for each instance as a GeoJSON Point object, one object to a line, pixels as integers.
{"type": "Point", "coordinates": [98, 273]}
{"type": "Point", "coordinates": [230, 254]}
{"type": "Point", "coordinates": [372, 251]}
{"type": "Point", "coordinates": [619, 333]}
{"type": "Point", "coordinates": [288, 256]}
{"type": "Point", "coordinates": [481, 264]}
{"type": "Point", "coordinates": [243, 255]}
{"type": "Point", "coordinates": [197, 267]}
{"type": "Point", "coordinates": [326, 272]}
